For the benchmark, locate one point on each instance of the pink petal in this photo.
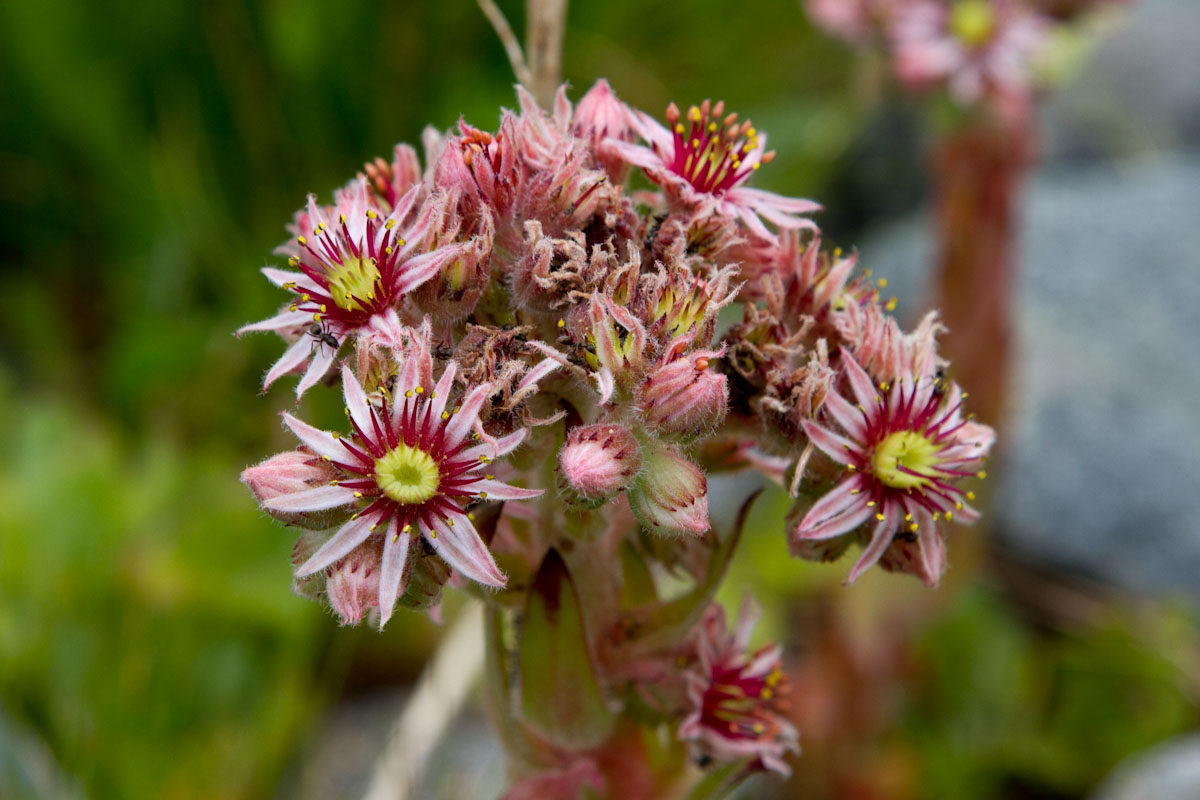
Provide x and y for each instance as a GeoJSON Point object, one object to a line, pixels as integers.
{"type": "Point", "coordinates": [320, 442]}
{"type": "Point", "coordinates": [356, 401]}
{"type": "Point", "coordinates": [860, 382]}
{"type": "Point", "coordinates": [319, 498]}
{"type": "Point", "coordinates": [280, 276]}
{"type": "Point", "coordinates": [468, 412]}
{"type": "Point", "coordinates": [880, 539]}
{"type": "Point", "coordinates": [293, 357]}
{"type": "Point", "coordinates": [395, 553]}
{"type": "Point", "coordinates": [320, 365]}
{"type": "Point", "coordinates": [441, 392]}
{"type": "Point", "coordinates": [836, 526]}
{"type": "Point", "coordinates": [460, 546]}
{"type": "Point", "coordinates": [281, 321]}
{"type": "Point", "coordinates": [502, 446]}
{"type": "Point", "coordinates": [838, 500]}
{"type": "Point", "coordinates": [836, 447]}
{"type": "Point", "coordinates": [544, 368]}
{"type": "Point", "coordinates": [850, 418]}
{"type": "Point", "coordinates": [502, 491]}
{"type": "Point", "coordinates": [348, 537]}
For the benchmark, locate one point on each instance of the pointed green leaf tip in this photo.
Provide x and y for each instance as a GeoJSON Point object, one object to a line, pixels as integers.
{"type": "Point", "coordinates": [560, 695]}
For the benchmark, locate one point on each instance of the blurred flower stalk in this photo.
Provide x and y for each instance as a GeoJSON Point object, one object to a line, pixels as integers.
{"type": "Point", "coordinates": [540, 369]}
{"type": "Point", "coordinates": [982, 66]}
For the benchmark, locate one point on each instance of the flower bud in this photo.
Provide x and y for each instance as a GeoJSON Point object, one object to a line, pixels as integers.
{"type": "Point", "coordinates": [353, 583]}
{"type": "Point", "coordinates": [671, 493]}
{"type": "Point", "coordinates": [683, 396]}
{"type": "Point", "coordinates": [599, 460]}
{"type": "Point", "coordinates": [599, 116]}
{"type": "Point", "coordinates": [288, 473]}
{"type": "Point", "coordinates": [426, 575]}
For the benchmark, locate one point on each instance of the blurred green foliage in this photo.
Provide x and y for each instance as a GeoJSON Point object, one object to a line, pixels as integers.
{"type": "Point", "coordinates": [150, 154]}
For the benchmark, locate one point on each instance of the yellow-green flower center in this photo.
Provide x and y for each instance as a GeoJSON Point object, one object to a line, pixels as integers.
{"type": "Point", "coordinates": [972, 22]}
{"type": "Point", "coordinates": [352, 283]}
{"type": "Point", "coordinates": [905, 450]}
{"type": "Point", "coordinates": [407, 475]}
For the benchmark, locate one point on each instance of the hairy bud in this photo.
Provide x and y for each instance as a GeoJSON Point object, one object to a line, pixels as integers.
{"type": "Point", "coordinates": [671, 493]}
{"type": "Point", "coordinates": [599, 116]}
{"type": "Point", "coordinates": [598, 461]}
{"type": "Point", "coordinates": [353, 583]}
{"type": "Point", "coordinates": [288, 473]}
{"type": "Point", "coordinates": [683, 396]}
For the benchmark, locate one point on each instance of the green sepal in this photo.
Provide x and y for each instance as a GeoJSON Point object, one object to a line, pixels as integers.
{"type": "Point", "coordinates": [560, 695]}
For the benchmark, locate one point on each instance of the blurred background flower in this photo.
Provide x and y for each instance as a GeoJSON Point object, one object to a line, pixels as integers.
{"type": "Point", "coordinates": [150, 155]}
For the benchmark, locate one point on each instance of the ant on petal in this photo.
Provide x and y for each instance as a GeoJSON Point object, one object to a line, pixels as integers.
{"type": "Point", "coordinates": [323, 334]}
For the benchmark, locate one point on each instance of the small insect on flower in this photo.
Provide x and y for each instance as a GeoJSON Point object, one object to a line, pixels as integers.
{"type": "Point", "coordinates": [323, 335]}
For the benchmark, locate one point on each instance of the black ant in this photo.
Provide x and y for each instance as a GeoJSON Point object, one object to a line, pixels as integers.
{"type": "Point", "coordinates": [323, 334]}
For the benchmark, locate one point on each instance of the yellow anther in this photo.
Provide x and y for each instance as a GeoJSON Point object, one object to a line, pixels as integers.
{"type": "Point", "coordinates": [342, 218]}
{"type": "Point", "coordinates": [292, 262]}
{"type": "Point", "coordinates": [336, 435]}
{"type": "Point", "coordinates": [756, 165]}
{"type": "Point", "coordinates": [371, 213]}
{"type": "Point", "coordinates": [420, 390]}
{"type": "Point", "coordinates": [391, 223]}
{"type": "Point", "coordinates": [445, 415]}
{"type": "Point", "coordinates": [471, 515]}
{"type": "Point", "coordinates": [483, 495]}
{"type": "Point", "coordinates": [400, 242]}
{"type": "Point", "coordinates": [694, 114]}
{"type": "Point", "coordinates": [408, 394]}
{"type": "Point", "coordinates": [323, 309]}
{"type": "Point", "coordinates": [301, 240]}
{"type": "Point", "coordinates": [712, 126]}
{"type": "Point", "coordinates": [883, 283]}
{"type": "Point", "coordinates": [326, 458]}
{"type": "Point", "coordinates": [751, 132]}
{"type": "Point", "coordinates": [388, 250]}
{"type": "Point", "coordinates": [407, 527]}
{"type": "Point", "coordinates": [949, 516]}
{"type": "Point", "coordinates": [562, 324]}
{"type": "Point", "coordinates": [679, 127]}
{"type": "Point", "coordinates": [358, 494]}
{"type": "Point", "coordinates": [695, 143]}
{"type": "Point", "coordinates": [304, 297]}
{"type": "Point", "coordinates": [870, 504]}
{"type": "Point", "coordinates": [913, 527]}
{"type": "Point", "coordinates": [970, 495]}
{"type": "Point", "coordinates": [490, 477]}
{"type": "Point", "coordinates": [293, 307]}
{"type": "Point", "coordinates": [982, 474]}
{"type": "Point", "coordinates": [879, 516]}
{"type": "Point", "coordinates": [316, 317]}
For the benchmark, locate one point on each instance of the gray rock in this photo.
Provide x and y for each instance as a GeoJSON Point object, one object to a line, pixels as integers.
{"type": "Point", "coordinates": [1170, 771]}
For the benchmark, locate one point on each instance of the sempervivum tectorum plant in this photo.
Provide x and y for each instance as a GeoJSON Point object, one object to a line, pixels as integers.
{"type": "Point", "coordinates": [410, 468]}
{"type": "Point", "coordinates": [905, 447]}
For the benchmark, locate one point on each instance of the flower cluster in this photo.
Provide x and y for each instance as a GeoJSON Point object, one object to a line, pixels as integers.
{"type": "Point", "coordinates": [980, 51]}
{"type": "Point", "coordinates": [536, 388]}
